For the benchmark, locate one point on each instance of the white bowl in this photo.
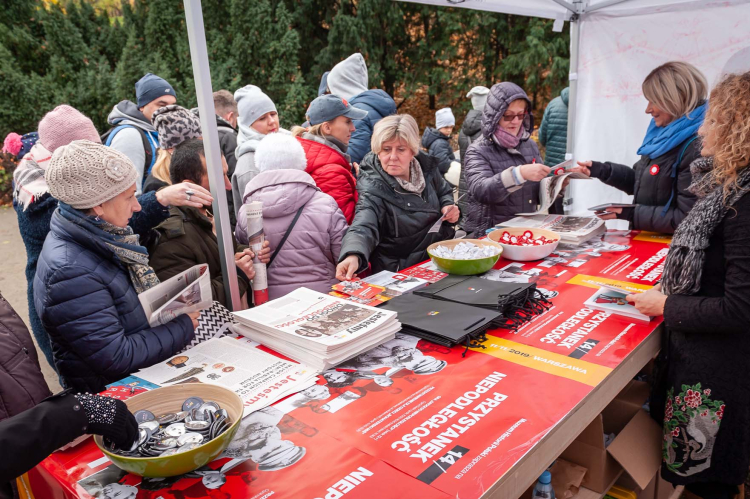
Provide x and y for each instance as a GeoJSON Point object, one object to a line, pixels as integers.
{"type": "Point", "coordinates": [525, 253]}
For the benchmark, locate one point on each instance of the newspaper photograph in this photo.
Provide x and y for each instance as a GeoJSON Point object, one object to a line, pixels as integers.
{"type": "Point", "coordinates": [322, 318]}
{"type": "Point", "coordinates": [259, 378]}
{"type": "Point", "coordinates": [184, 293]}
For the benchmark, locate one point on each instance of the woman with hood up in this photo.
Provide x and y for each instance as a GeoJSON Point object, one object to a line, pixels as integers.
{"type": "Point", "coordinates": [503, 168]}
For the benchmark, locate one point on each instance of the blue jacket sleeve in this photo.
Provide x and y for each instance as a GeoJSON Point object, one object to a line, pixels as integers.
{"type": "Point", "coordinates": [152, 214]}
{"type": "Point", "coordinates": [484, 185]}
{"type": "Point", "coordinates": [441, 149]}
{"type": "Point", "coordinates": [81, 310]}
{"type": "Point", "coordinates": [359, 143]}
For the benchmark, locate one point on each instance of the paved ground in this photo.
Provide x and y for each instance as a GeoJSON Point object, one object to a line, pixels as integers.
{"type": "Point", "coordinates": [13, 279]}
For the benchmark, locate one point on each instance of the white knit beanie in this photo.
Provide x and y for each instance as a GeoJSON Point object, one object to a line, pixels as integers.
{"type": "Point", "coordinates": [85, 174]}
{"type": "Point", "coordinates": [252, 103]}
{"type": "Point", "coordinates": [478, 96]}
{"type": "Point", "coordinates": [444, 117]}
{"type": "Point", "coordinates": [279, 151]}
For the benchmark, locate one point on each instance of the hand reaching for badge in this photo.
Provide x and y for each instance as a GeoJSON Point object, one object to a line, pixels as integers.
{"type": "Point", "coordinates": [583, 167]}
{"type": "Point", "coordinates": [534, 171]}
{"type": "Point", "coordinates": [451, 213]}
{"type": "Point", "coordinates": [347, 268]}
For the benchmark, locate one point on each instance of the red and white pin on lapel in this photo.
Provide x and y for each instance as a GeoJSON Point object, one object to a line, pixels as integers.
{"type": "Point", "coordinates": [654, 170]}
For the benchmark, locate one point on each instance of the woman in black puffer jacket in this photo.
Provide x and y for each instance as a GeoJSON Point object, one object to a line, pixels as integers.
{"type": "Point", "coordinates": [659, 181]}
{"type": "Point", "coordinates": [503, 168]}
{"type": "Point", "coordinates": [401, 196]}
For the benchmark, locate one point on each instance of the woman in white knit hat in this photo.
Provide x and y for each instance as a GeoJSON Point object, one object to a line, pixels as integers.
{"type": "Point", "coordinates": [92, 269]}
{"type": "Point", "coordinates": [294, 205]}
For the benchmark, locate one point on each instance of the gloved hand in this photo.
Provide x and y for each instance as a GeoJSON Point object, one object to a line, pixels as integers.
{"type": "Point", "coordinates": [109, 418]}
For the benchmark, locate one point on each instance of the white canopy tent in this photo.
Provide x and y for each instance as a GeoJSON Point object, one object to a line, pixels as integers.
{"type": "Point", "coordinates": [614, 44]}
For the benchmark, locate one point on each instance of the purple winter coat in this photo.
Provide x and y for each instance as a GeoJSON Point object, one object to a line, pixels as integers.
{"type": "Point", "coordinates": [310, 254]}
{"type": "Point", "coordinates": [489, 201]}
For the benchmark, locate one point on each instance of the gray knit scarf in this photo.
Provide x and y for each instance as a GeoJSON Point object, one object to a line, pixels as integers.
{"type": "Point", "coordinates": [416, 182]}
{"type": "Point", "coordinates": [684, 265]}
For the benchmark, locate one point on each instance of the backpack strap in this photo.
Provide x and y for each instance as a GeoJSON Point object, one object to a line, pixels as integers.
{"type": "Point", "coordinates": [675, 166]}
{"type": "Point", "coordinates": [286, 235]}
{"type": "Point", "coordinates": [148, 147]}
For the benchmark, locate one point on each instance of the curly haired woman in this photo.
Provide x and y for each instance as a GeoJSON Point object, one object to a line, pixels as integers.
{"type": "Point", "coordinates": [702, 392]}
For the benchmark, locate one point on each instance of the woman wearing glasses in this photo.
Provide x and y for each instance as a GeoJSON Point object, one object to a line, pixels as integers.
{"type": "Point", "coordinates": [659, 181]}
{"type": "Point", "coordinates": [503, 168]}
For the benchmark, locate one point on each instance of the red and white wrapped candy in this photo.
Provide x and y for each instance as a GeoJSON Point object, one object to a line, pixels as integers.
{"type": "Point", "coordinates": [526, 239]}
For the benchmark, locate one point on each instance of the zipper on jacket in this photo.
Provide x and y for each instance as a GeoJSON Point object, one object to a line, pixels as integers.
{"type": "Point", "coordinates": [395, 218]}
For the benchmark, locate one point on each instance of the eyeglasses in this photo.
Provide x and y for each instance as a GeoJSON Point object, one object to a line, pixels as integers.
{"type": "Point", "coordinates": [512, 117]}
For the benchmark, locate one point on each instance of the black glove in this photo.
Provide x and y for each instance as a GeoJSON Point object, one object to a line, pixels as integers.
{"type": "Point", "coordinates": [109, 418]}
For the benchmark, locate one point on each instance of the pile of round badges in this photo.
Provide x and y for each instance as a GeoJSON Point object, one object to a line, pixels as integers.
{"type": "Point", "coordinates": [527, 239]}
{"type": "Point", "coordinates": [171, 433]}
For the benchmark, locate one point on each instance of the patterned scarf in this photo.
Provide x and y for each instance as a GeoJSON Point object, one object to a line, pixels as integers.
{"type": "Point", "coordinates": [416, 182]}
{"type": "Point", "coordinates": [28, 178]}
{"type": "Point", "coordinates": [683, 268]}
{"type": "Point", "coordinates": [123, 243]}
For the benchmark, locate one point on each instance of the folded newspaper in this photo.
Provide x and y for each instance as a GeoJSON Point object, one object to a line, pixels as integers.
{"type": "Point", "coordinates": [259, 378]}
{"type": "Point", "coordinates": [316, 329]}
{"type": "Point", "coordinates": [550, 188]}
{"type": "Point", "coordinates": [185, 293]}
{"type": "Point", "coordinates": [572, 230]}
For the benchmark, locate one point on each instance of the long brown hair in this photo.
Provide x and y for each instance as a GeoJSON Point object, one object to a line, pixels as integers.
{"type": "Point", "coordinates": [726, 129]}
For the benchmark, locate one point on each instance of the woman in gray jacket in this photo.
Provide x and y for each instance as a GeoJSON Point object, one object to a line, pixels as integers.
{"type": "Point", "coordinates": [503, 168]}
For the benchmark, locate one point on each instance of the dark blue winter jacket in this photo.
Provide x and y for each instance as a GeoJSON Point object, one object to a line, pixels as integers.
{"type": "Point", "coordinates": [91, 311]}
{"type": "Point", "coordinates": [34, 222]}
{"type": "Point", "coordinates": [439, 147]}
{"type": "Point", "coordinates": [378, 105]}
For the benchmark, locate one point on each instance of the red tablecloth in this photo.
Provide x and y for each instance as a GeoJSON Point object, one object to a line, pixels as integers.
{"type": "Point", "coordinates": [452, 432]}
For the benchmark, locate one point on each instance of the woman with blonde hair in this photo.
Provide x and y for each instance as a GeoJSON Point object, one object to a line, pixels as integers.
{"type": "Point", "coordinates": [676, 94]}
{"type": "Point", "coordinates": [401, 196]}
{"type": "Point", "coordinates": [702, 394]}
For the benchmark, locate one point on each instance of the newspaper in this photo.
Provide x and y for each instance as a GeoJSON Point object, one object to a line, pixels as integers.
{"type": "Point", "coordinates": [259, 378]}
{"type": "Point", "coordinates": [256, 238]}
{"type": "Point", "coordinates": [317, 317]}
{"type": "Point", "coordinates": [550, 188]}
{"type": "Point", "coordinates": [184, 293]}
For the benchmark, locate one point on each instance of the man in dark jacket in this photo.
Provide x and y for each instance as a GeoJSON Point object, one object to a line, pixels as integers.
{"type": "Point", "coordinates": [437, 140]}
{"type": "Point", "coordinates": [132, 132]}
{"type": "Point", "coordinates": [349, 80]}
{"type": "Point", "coordinates": [471, 130]}
{"type": "Point", "coordinates": [187, 238]}
{"type": "Point", "coordinates": [226, 124]}
{"type": "Point", "coordinates": [503, 178]}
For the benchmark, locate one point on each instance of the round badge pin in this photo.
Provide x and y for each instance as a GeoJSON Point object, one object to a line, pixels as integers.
{"type": "Point", "coordinates": [654, 170]}
{"type": "Point", "coordinates": [192, 403]}
{"type": "Point", "coordinates": [144, 416]}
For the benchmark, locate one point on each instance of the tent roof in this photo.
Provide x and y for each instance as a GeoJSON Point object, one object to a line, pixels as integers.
{"type": "Point", "coordinates": [554, 9]}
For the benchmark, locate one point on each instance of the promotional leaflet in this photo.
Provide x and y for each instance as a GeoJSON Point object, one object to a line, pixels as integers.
{"type": "Point", "coordinates": [259, 378]}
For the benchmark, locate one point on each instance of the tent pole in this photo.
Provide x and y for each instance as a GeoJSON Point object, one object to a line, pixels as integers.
{"type": "Point", "coordinates": [573, 83]}
{"type": "Point", "coordinates": [204, 94]}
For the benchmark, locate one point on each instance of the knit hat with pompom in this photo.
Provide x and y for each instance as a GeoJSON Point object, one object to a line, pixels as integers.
{"type": "Point", "coordinates": [85, 174]}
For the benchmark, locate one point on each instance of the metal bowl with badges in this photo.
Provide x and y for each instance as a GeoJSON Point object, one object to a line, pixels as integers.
{"type": "Point", "coordinates": [181, 428]}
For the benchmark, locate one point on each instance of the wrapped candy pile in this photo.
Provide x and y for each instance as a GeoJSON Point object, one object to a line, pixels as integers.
{"type": "Point", "coordinates": [465, 251]}
{"type": "Point", "coordinates": [527, 239]}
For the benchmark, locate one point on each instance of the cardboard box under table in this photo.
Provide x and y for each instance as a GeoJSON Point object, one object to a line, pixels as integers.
{"type": "Point", "coordinates": [636, 449]}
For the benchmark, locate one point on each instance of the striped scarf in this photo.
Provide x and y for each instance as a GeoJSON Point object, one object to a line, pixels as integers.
{"type": "Point", "coordinates": [28, 178]}
{"type": "Point", "coordinates": [683, 268]}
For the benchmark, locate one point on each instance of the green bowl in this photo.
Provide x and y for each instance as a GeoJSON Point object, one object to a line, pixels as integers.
{"type": "Point", "coordinates": [170, 399]}
{"type": "Point", "coordinates": [465, 267]}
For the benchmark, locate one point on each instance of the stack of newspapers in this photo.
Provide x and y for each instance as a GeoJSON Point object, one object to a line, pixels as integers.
{"type": "Point", "coordinates": [317, 329]}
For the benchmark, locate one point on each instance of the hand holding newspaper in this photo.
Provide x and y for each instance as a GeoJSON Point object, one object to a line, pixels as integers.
{"type": "Point", "coordinates": [184, 293]}
{"type": "Point", "coordinates": [551, 186]}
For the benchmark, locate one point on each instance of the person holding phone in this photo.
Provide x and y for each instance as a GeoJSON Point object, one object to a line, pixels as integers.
{"type": "Point", "coordinates": [659, 181]}
{"type": "Point", "coordinates": [503, 168]}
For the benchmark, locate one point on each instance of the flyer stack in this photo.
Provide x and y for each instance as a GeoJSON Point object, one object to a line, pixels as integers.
{"type": "Point", "coordinates": [316, 329]}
